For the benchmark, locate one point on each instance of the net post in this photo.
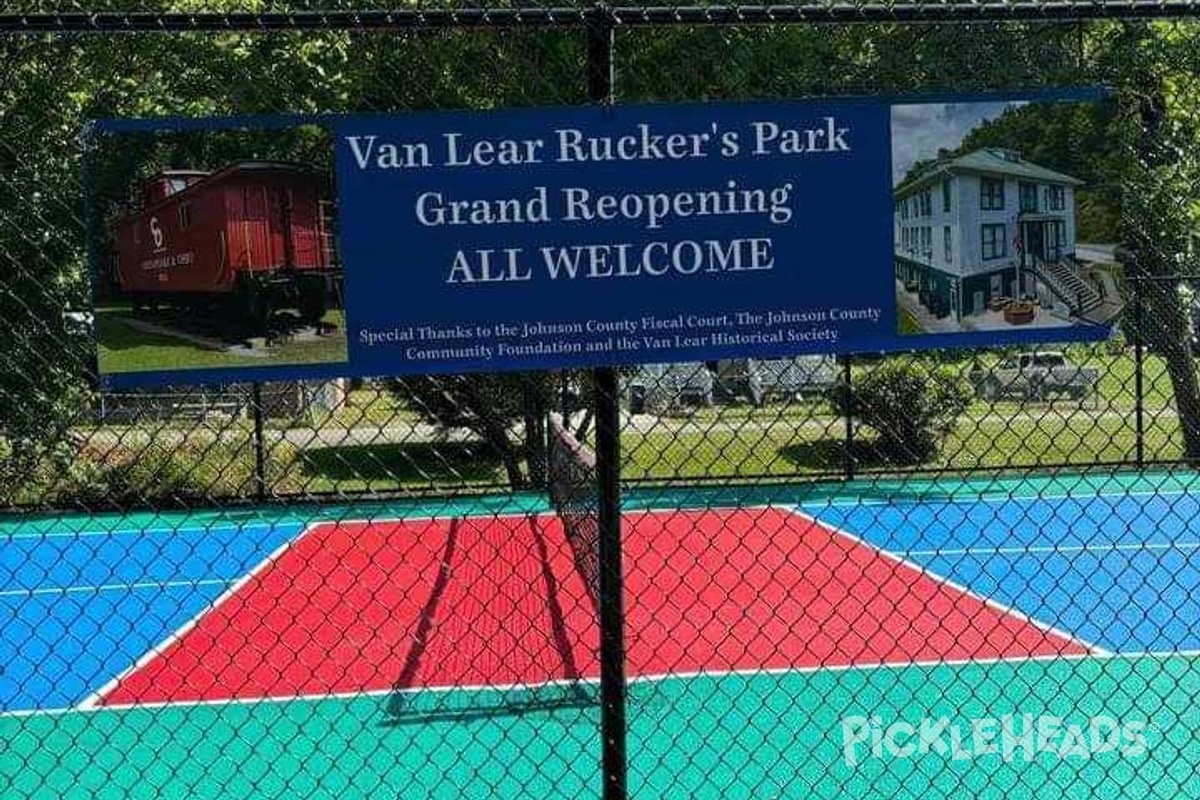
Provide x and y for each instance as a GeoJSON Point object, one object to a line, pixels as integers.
{"type": "Point", "coordinates": [600, 26]}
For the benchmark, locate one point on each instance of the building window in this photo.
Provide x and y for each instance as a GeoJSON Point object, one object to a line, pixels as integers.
{"type": "Point", "coordinates": [993, 242]}
{"type": "Point", "coordinates": [1029, 197]}
{"type": "Point", "coordinates": [927, 203]}
{"type": "Point", "coordinates": [991, 194]}
{"type": "Point", "coordinates": [927, 243]}
{"type": "Point", "coordinates": [1058, 198]}
{"type": "Point", "coordinates": [946, 195]}
{"type": "Point", "coordinates": [1058, 238]}
{"type": "Point", "coordinates": [947, 246]}
{"type": "Point", "coordinates": [185, 216]}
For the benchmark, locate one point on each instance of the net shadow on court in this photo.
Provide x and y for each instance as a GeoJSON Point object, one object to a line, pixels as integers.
{"type": "Point", "coordinates": [410, 704]}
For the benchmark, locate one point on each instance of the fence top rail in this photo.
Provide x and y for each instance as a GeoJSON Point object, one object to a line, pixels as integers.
{"type": "Point", "coordinates": [631, 15]}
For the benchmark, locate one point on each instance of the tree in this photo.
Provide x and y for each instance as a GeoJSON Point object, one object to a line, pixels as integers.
{"type": "Point", "coordinates": [1156, 66]}
{"type": "Point", "coordinates": [53, 85]}
{"type": "Point", "coordinates": [911, 405]}
{"type": "Point", "coordinates": [505, 410]}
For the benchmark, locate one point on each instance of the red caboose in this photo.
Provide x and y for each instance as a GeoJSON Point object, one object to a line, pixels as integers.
{"type": "Point", "coordinates": [253, 237]}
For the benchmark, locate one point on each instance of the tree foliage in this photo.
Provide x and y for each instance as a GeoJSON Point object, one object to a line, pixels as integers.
{"type": "Point", "coordinates": [54, 84]}
{"type": "Point", "coordinates": [911, 406]}
{"type": "Point", "coordinates": [507, 411]}
{"type": "Point", "coordinates": [1080, 139]}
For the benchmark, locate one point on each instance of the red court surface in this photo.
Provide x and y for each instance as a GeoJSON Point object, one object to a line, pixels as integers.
{"type": "Point", "coordinates": [497, 601]}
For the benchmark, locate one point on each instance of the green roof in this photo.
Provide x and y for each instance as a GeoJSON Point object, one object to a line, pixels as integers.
{"type": "Point", "coordinates": [990, 160]}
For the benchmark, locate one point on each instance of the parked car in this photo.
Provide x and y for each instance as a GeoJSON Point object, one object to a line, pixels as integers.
{"type": "Point", "coordinates": [738, 378]}
{"type": "Point", "coordinates": [1035, 376]}
{"type": "Point", "coordinates": [784, 378]}
{"type": "Point", "coordinates": [659, 386]}
{"type": "Point", "coordinates": [793, 378]}
{"type": "Point", "coordinates": [662, 386]}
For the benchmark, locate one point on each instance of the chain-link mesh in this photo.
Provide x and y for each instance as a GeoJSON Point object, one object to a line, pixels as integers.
{"type": "Point", "coordinates": [939, 574]}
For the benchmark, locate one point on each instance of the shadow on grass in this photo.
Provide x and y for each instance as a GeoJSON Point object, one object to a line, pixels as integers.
{"type": "Point", "coordinates": [830, 455]}
{"type": "Point", "coordinates": [419, 463]}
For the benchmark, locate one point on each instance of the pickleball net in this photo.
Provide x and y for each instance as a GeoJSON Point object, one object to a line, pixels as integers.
{"type": "Point", "coordinates": [542, 621]}
{"type": "Point", "coordinates": [571, 481]}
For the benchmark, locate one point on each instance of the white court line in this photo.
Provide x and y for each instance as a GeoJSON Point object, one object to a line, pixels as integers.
{"type": "Point", "coordinates": [1050, 549]}
{"type": "Point", "coordinates": [945, 497]}
{"type": "Point", "coordinates": [991, 603]}
{"type": "Point", "coordinates": [640, 679]}
{"type": "Point", "coordinates": [113, 587]}
{"type": "Point", "coordinates": [94, 698]}
{"type": "Point", "coordinates": [299, 524]}
{"type": "Point", "coordinates": [951, 498]}
{"type": "Point", "coordinates": [216, 526]}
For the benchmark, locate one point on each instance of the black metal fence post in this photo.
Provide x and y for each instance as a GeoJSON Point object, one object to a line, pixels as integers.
{"type": "Point", "coordinates": [260, 454]}
{"type": "Point", "coordinates": [1139, 361]}
{"type": "Point", "coordinates": [608, 463]}
{"type": "Point", "coordinates": [848, 444]}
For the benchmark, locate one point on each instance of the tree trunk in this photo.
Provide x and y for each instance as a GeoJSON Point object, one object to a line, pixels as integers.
{"type": "Point", "coordinates": [534, 408]}
{"type": "Point", "coordinates": [512, 467]}
{"type": "Point", "coordinates": [1158, 225]}
{"type": "Point", "coordinates": [493, 429]}
{"type": "Point", "coordinates": [583, 429]}
{"type": "Point", "coordinates": [1166, 328]}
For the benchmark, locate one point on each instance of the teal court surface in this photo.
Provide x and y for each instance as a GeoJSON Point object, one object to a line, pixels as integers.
{"type": "Point", "coordinates": [914, 639]}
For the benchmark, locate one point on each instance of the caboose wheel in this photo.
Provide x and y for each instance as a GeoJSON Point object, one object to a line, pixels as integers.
{"type": "Point", "coordinates": [254, 305]}
{"type": "Point", "coordinates": [311, 300]}
{"type": "Point", "coordinates": [259, 311]}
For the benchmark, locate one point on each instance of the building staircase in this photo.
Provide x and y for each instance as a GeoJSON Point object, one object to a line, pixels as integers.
{"type": "Point", "coordinates": [1062, 278]}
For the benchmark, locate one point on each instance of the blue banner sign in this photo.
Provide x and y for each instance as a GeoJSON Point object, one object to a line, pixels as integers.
{"type": "Point", "coordinates": [569, 237]}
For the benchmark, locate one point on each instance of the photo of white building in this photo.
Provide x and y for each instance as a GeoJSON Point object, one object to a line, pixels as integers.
{"type": "Point", "coordinates": [986, 240]}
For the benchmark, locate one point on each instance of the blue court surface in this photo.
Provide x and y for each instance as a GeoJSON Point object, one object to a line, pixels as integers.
{"type": "Point", "coordinates": [79, 606]}
{"type": "Point", "coordinates": [82, 600]}
{"type": "Point", "coordinates": [1119, 571]}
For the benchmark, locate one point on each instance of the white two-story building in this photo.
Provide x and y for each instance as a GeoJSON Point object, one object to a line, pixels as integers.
{"type": "Point", "coordinates": [985, 226]}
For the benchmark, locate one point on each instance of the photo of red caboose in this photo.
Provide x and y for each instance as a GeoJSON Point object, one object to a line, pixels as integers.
{"type": "Point", "coordinates": [244, 242]}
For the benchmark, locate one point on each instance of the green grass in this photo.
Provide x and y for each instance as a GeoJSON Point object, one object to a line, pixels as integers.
{"type": "Point", "coordinates": [783, 449]}
{"type": "Point", "coordinates": [124, 348]}
{"type": "Point", "coordinates": [386, 467]}
{"type": "Point", "coordinates": [373, 407]}
{"type": "Point", "coordinates": [782, 440]}
{"type": "Point", "coordinates": [813, 405]}
{"type": "Point", "coordinates": [779, 449]}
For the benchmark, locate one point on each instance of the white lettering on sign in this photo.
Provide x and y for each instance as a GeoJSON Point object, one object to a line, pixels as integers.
{"type": "Point", "coordinates": [388, 155]}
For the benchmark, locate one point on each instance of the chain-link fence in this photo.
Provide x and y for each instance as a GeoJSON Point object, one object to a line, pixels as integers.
{"type": "Point", "coordinates": [939, 573]}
